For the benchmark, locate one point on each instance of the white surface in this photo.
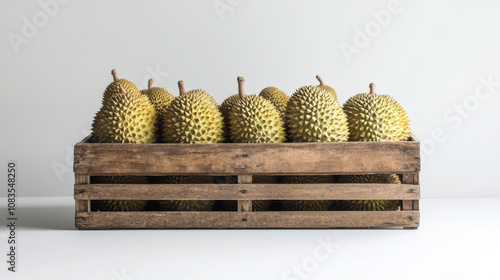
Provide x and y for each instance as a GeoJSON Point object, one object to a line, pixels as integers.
{"type": "Point", "coordinates": [429, 56]}
{"type": "Point", "coordinates": [457, 240]}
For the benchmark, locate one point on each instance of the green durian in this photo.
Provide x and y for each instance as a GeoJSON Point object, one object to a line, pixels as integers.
{"type": "Point", "coordinates": [119, 205]}
{"type": "Point", "coordinates": [374, 117]}
{"type": "Point", "coordinates": [369, 205]}
{"type": "Point", "coordinates": [277, 97]}
{"type": "Point", "coordinates": [306, 205]}
{"type": "Point", "coordinates": [257, 205]}
{"type": "Point", "coordinates": [193, 117]}
{"type": "Point", "coordinates": [254, 119]}
{"type": "Point", "coordinates": [125, 117]}
{"type": "Point", "coordinates": [186, 205]}
{"type": "Point", "coordinates": [209, 98]}
{"type": "Point", "coordinates": [313, 115]}
{"type": "Point", "coordinates": [326, 87]}
{"type": "Point", "coordinates": [114, 87]}
{"type": "Point", "coordinates": [224, 108]}
{"type": "Point", "coordinates": [161, 99]}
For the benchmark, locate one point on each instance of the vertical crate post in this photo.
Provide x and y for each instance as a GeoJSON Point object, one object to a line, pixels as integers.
{"type": "Point", "coordinates": [410, 205]}
{"type": "Point", "coordinates": [244, 205]}
{"type": "Point", "coordinates": [82, 205]}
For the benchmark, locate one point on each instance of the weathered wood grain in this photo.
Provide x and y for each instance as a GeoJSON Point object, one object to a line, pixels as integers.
{"type": "Point", "coordinates": [82, 205]}
{"type": "Point", "coordinates": [244, 205]}
{"type": "Point", "coordinates": [410, 178]}
{"type": "Point", "coordinates": [244, 161]}
{"type": "Point", "coordinates": [411, 205]}
{"type": "Point", "coordinates": [247, 159]}
{"type": "Point", "coordinates": [247, 191]}
{"type": "Point", "coordinates": [305, 219]}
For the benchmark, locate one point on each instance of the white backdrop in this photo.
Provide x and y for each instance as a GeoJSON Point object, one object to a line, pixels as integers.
{"type": "Point", "coordinates": [440, 59]}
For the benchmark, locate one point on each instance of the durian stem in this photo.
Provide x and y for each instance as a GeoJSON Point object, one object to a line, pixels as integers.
{"type": "Point", "coordinates": [115, 76]}
{"type": "Point", "coordinates": [320, 80]}
{"type": "Point", "coordinates": [372, 88]}
{"type": "Point", "coordinates": [241, 88]}
{"type": "Point", "coordinates": [150, 83]}
{"type": "Point", "coordinates": [182, 90]}
{"type": "Point", "coordinates": [122, 89]}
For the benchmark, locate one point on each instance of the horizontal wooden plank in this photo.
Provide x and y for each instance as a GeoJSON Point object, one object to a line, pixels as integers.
{"type": "Point", "coordinates": [247, 158]}
{"type": "Point", "coordinates": [219, 220]}
{"type": "Point", "coordinates": [247, 191]}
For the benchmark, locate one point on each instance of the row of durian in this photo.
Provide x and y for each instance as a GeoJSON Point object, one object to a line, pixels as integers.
{"type": "Point", "coordinates": [257, 205]}
{"type": "Point", "coordinates": [311, 114]}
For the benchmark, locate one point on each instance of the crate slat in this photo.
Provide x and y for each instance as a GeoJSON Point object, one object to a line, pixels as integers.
{"type": "Point", "coordinates": [247, 159]}
{"type": "Point", "coordinates": [247, 191]}
{"type": "Point", "coordinates": [305, 219]}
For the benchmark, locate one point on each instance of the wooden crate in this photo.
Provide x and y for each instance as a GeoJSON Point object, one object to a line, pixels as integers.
{"type": "Point", "coordinates": [246, 160]}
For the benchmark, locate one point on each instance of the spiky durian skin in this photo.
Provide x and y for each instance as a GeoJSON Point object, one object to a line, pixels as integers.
{"type": "Point", "coordinates": [114, 88]}
{"type": "Point", "coordinates": [369, 205]}
{"type": "Point", "coordinates": [193, 118]}
{"type": "Point", "coordinates": [120, 205]}
{"type": "Point", "coordinates": [181, 179]}
{"type": "Point", "coordinates": [313, 115]}
{"type": "Point", "coordinates": [374, 117]}
{"type": "Point", "coordinates": [277, 97]}
{"type": "Point", "coordinates": [227, 105]}
{"type": "Point", "coordinates": [186, 205]}
{"type": "Point", "coordinates": [330, 90]}
{"type": "Point", "coordinates": [257, 205]}
{"type": "Point", "coordinates": [255, 120]}
{"type": "Point", "coordinates": [224, 108]}
{"type": "Point", "coordinates": [306, 205]}
{"type": "Point", "coordinates": [125, 118]}
{"type": "Point", "coordinates": [210, 99]}
{"type": "Point", "coordinates": [161, 99]}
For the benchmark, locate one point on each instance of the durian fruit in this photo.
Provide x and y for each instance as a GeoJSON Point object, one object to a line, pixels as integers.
{"type": "Point", "coordinates": [326, 87]}
{"type": "Point", "coordinates": [125, 117]}
{"type": "Point", "coordinates": [161, 99]}
{"type": "Point", "coordinates": [186, 205]}
{"type": "Point", "coordinates": [306, 205]}
{"type": "Point", "coordinates": [193, 117]}
{"type": "Point", "coordinates": [369, 205]}
{"type": "Point", "coordinates": [224, 108]}
{"type": "Point", "coordinates": [374, 117]}
{"type": "Point", "coordinates": [119, 205]}
{"type": "Point", "coordinates": [277, 97]}
{"type": "Point", "coordinates": [257, 205]}
{"type": "Point", "coordinates": [114, 87]}
{"type": "Point", "coordinates": [254, 119]}
{"type": "Point", "coordinates": [314, 115]}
